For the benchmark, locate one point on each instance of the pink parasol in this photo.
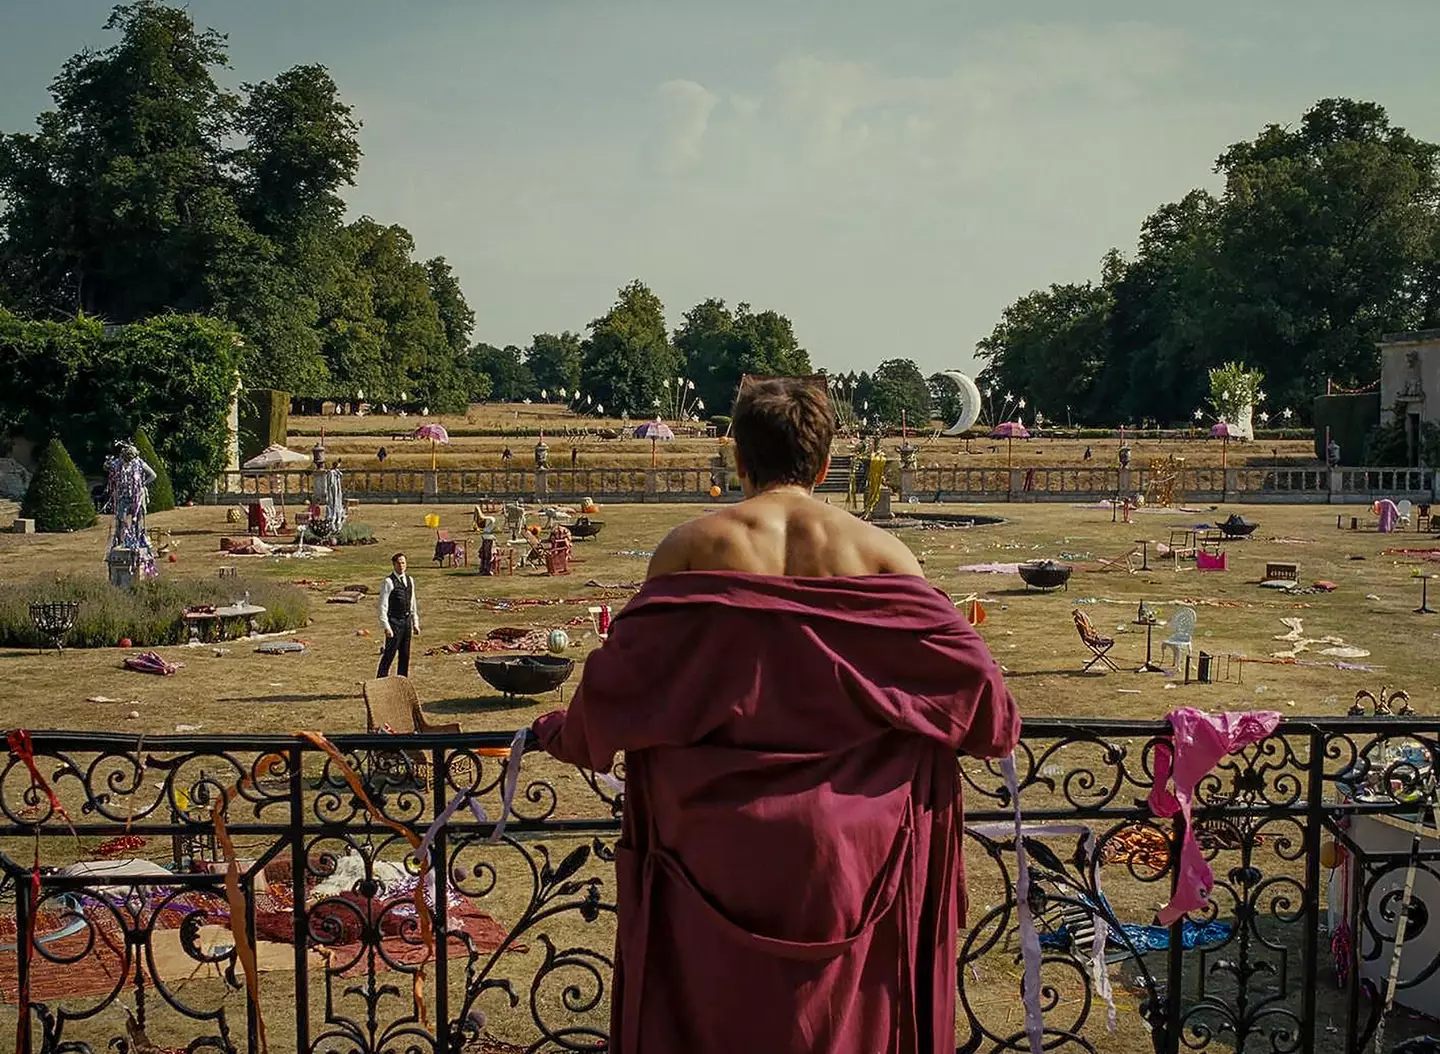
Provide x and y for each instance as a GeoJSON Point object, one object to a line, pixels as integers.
{"type": "Point", "coordinates": [436, 434]}
{"type": "Point", "coordinates": [654, 431]}
{"type": "Point", "coordinates": [1010, 431]}
{"type": "Point", "coordinates": [1223, 431]}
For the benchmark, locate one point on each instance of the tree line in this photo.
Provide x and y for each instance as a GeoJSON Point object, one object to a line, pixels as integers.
{"type": "Point", "coordinates": [1325, 236]}
{"type": "Point", "coordinates": [149, 190]}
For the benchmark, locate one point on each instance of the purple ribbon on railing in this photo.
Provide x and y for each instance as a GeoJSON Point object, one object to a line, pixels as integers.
{"type": "Point", "coordinates": [1029, 938]}
{"type": "Point", "coordinates": [512, 780]}
{"type": "Point", "coordinates": [1099, 972]}
{"type": "Point", "coordinates": [466, 797]}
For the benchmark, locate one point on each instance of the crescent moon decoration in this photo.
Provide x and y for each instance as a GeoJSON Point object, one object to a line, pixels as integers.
{"type": "Point", "coordinates": [969, 403]}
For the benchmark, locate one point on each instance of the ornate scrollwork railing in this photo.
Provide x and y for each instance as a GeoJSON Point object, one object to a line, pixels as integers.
{"type": "Point", "coordinates": [525, 922]}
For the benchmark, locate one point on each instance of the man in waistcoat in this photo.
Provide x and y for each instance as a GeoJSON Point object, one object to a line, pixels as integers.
{"type": "Point", "coordinates": [399, 617]}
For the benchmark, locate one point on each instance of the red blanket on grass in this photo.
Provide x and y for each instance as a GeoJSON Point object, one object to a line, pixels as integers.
{"type": "Point", "coordinates": [790, 876]}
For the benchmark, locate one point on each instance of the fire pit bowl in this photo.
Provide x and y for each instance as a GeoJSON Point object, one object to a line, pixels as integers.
{"type": "Point", "coordinates": [1045, 574]}
{"type": "Point", "coordinates": [524, 674]}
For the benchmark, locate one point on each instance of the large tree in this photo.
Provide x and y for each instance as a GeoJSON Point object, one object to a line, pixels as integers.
{"type": "Point", "coordinates": [1327, 234]}
{"type": "Point", "coordinates": [148, 188]}
{"type": "Point", "coordinates": [628, 353]}
{"type": "Point", "coordinates": [113, 206]}
{"type": "Point", "coordinates": [1049, 348]}
{"type": "Point", "coordinates": [901, 394]}
{"type": "Point", "coordinates": [720, 346]}
{"type": "Point", "coordinates": [554, 362]}
{"type": "Point", "coordinates": [1324, 230]}
{"type": "Point", "coordinates": [508, 377]}
{"type": "Point", "coordinates": [303, 147]}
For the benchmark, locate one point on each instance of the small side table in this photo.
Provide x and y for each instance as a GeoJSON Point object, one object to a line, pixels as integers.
{"type": "Point", "coordinates": [1144, 544]}
{"type": "Point", "coordinates": [1148, 667]}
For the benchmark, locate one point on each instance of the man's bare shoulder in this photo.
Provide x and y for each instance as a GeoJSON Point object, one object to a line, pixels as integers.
{"type": "Point", "coordinates": [889, 555]}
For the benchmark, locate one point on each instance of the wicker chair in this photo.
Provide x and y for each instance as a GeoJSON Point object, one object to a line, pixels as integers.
{"type": "Point", "coordinates": [391, 705]}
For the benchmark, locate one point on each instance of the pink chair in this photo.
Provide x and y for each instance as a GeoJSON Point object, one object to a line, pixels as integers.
{"type": "Point", "coordinates": [1207, 562]}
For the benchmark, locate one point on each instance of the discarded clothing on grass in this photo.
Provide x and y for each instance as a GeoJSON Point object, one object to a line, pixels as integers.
{"type": "Point", "coordinates": [150, 662]}
{"type": "Point", "coordinates": [990, 569]}
{"type": "Point", "coordinates": [520, 603]}
{"type": "Point", "coordinates": [502, 638]}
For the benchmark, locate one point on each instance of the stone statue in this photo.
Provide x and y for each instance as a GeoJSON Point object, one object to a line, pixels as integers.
{"type": "Point", "coordinates": [130, 552]}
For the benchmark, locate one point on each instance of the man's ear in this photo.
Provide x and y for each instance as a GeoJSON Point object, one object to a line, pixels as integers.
{"type": "Point", "coordinates": [824, 471]}
{"type": "Point", "coordinates": [740, 469]}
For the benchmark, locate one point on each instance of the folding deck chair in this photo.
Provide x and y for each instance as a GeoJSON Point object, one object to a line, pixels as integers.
{"type": "Point", "coordinates": [1097, 644]}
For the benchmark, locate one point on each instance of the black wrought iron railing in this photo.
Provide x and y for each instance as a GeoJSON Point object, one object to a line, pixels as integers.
{"type": "Point", "coordinates": [1311, 835]}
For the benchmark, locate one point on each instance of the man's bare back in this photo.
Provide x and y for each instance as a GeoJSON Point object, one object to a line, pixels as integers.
{"type": "Point", "coordinates": [784, 531]}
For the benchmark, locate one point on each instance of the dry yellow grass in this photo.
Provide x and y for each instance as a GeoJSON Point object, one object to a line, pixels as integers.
{"type": "Point", "coordinates": [358, 451]}
{"type": "Point", "coordinates": [1030, 633]}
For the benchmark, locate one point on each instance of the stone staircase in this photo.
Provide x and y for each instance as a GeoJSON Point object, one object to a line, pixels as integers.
{"type": "Point", "coordinates": [838, 481]}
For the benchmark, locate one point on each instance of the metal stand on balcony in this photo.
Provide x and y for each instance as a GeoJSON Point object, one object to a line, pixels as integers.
{"type": "Point", "coordinates": [54, 620]}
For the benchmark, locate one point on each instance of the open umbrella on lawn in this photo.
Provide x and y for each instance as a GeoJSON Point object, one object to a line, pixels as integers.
{"type": "Point", "coordinates": [436, 434]}
{"type": "Point", "coordinates": [1009, 431]}
{"type": "Point", "coordinates": [1221, 430]}
{"type": "Point", "coordinates": [654, 431]}
{"type": "Point", "coordinates": [273, 459]}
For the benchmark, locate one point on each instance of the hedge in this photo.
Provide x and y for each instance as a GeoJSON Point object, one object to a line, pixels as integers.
{"type": "Point", "coordinates": [264, 420]}
{"type": "Point", "coordinates": [162, 493]}
{"type": "Point", "coordinates": [58, 498]}
{"type": "Point", "coordinates": [149, 614]}
{"type": "Point", "coordinates": [93, 384]}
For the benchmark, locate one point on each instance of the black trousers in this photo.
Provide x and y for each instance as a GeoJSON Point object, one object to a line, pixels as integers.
{"type": "Point", "coordinates": [398, 643]}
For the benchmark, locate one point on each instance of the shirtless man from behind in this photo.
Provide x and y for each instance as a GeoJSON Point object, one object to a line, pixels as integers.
{"type": "Point", "coordinates": [781, 529]}
{"type": "Point", "coordinates": [787, 689]}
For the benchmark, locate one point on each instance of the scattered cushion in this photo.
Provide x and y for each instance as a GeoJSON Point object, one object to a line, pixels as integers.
{"type": "Point", "coordinates": [280, 647]}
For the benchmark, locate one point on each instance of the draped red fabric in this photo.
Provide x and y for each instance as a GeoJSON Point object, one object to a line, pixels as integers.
{"type": "Point", "coordinates": [789, 876]}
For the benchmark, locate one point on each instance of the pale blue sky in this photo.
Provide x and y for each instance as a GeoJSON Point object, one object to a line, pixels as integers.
{"type": "Point", "coordinates": [889, 175]}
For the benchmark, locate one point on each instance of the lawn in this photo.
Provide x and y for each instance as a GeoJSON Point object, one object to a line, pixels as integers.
{"type": "Point", "coordinates": [231, 688]}
{"type": "Point", "coordinates": [1030, 633]}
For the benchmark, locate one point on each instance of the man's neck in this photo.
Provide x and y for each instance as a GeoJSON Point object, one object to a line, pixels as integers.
{"type": "Point", "coordinates": [793, 490]}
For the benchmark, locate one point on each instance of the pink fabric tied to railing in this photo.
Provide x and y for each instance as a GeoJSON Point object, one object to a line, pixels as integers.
{"type": "Point", "coordinates": [1197, 743]}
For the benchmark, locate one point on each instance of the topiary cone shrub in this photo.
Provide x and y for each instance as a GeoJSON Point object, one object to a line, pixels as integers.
{"type": "Point", "coordinates": [58, 498]}
{"type": "Point", "coordinates": [162, 493]}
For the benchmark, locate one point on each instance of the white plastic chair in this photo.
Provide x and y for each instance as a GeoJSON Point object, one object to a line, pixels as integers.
{"type": "Point", "coordinates": [1404, 508]}
{"type": "Point", "coordinates": [1182, 629]}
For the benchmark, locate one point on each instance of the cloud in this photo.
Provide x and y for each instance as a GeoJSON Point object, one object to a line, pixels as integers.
{"type": "Point", "coordinates": [826, 131]}
{"type": "Point", "coordinates": [843, 105]}
{"type": "Point", "coordinates": [689, 106]}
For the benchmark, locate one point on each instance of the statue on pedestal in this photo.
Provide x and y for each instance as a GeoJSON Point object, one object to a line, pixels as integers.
{"type": "Point", "coordinates": [129, 482]}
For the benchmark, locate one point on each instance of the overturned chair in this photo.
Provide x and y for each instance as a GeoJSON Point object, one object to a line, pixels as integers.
{"type": "Point", "coordinates": [1097, 644]}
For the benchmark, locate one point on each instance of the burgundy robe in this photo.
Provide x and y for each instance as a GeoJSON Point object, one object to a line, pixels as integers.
{"type": "Point", "coordinates": [789, 877]}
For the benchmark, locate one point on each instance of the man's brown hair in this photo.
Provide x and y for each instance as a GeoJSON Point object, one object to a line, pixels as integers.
{"type": "Point", "coordinates": [783, 428]}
